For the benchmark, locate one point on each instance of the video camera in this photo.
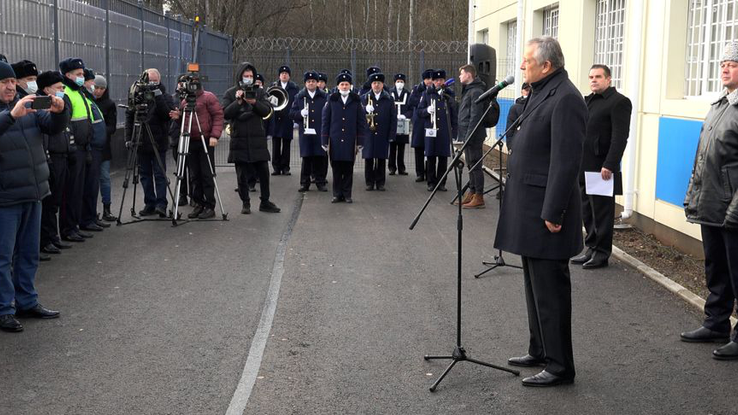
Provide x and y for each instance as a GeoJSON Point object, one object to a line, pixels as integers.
{"type": "Point", "coordinates": [141, 93]}
{"type": "Point", "coordinates": [249, 90]}
{"type": "Point", "coordinates": [189, 83]}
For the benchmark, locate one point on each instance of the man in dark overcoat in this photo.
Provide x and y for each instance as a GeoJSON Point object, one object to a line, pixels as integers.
{"type": "Point", "coordinates": [281, 125]}
{"type": "Point", "coordinates": [541, 218]}
{"type": "Point", "coordinates": [378, 103]}
{"type": "Point", "coordinates": [314, 158]}
{"type": "Point", "coordinates": [437, 102]}
{"type": "Point", "coordinates": [404, 112]}
{"type": "Point", "coordinates": [607, 136]}
{"type": "Point", "coordinates": [344, 131]}
{"type": "Point", "coordinates": [418, 130]}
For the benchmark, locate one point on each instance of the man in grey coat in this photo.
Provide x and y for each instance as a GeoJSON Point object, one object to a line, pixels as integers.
{"type": "Point", "coordinates": [712, 202]}
{"type": "Point", "coordinates": [541, 216]}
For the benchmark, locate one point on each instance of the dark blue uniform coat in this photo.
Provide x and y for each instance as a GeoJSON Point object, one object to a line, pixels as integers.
{"type": "Point", "coordinates": [377, 143]}
{"type": "Point", "coordinates": [344, 126]}
{"type": "Point", "coordinates": [281, 123]}
{"type": "Point", "coordinates": [402, 97]}
{"type": "Point", "coordinates": [440, 145]}
{"type": "Point", "coordinates": [418, 131]}
{"type": "Point", "coordinates": [310, 144]}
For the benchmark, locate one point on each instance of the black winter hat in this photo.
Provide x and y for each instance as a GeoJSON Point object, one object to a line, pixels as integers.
{"type": "Point", "coordinates": [89, 74]}
{"type": "Point", "coordinates": [400, 77]}
{"type": "Point", "coordinates": [438, 74]}
{"type": "Point", "coordinates": [70, 64]}
{"type": "Point", "coordinates": [428, 73]}
{"type": "Point", "coordinates": [348, 71]}
{"type": "Point", "coordinates": [3, 58]}
{"type": "Point", "coordinates": [24, 68]}
{"type": "Point", "coordinates": [378, 76]}
{"type": "Point", "coordinates": [311, 75]}
{"type": "Point", "coordinates": [6, 71]}
{"type": "Point", "coordinates": [284, 68]}
{"type": "Point", "coordinates": [48, 78]}
{"type": "Point", "coordinates": [343, 77]}
{"type": "Point", "coordinates": [372, 70]}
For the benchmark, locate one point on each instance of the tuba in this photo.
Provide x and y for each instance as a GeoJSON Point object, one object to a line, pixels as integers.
{"type": "Point", "coordinates": [283, 98]}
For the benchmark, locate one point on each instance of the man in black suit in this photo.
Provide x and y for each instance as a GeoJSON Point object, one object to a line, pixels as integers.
{"type": "Point", "coordinates": [541, 214]}
{"type": "Point", "coordinates": [607, 135]}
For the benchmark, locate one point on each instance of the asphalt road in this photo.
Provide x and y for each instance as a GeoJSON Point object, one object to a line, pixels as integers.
{"type": "Point", "coordinates": [160, 320]}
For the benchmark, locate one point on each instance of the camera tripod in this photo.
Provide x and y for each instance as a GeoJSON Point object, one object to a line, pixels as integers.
{"type": "Point", "coordinates": [188, 115]}
{"type": "Point", "coordinates": [132, 164]}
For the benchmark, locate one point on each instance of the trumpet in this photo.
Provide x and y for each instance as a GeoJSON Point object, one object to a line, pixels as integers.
{"type": "Point", "coordinates": [306, 119]}
{"type": "Point", "coordinates": [435, 118]}
{"type": "Point", "coordinates": [370, 116]}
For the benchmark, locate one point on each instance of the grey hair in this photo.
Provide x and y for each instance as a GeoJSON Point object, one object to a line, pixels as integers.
{"type": "Point", "coordinates": [154, 70]}
{"type": "Point", "coordinates": [547, 49]}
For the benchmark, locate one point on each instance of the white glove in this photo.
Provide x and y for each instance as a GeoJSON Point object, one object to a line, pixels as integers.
{"type": "Point", "coordinates": [369, 109]}
{"type": "Point", "coordinates": [360, 148]}
{"type": "Point", "coordinates": [440, 93]}
{"type": "Point", "coordinates": [269, 137]}
{"type": "Point", "coordinates": [273, 100]}
{"type": "Point", "coordinates": [295, 125]}
{"type": "Point", "coordinates": [431, 110]}
{"type": "Point", "coordinates": [325, 148]}
{"type": "Point", "coordinates": [401, 117]}
{"type": "Point", "coordinates": [304, 112]}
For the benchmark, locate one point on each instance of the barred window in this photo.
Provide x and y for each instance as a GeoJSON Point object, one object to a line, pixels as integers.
{"type": "Point", "coordinates": [512, 42]}
{"type": "Point", "coordinates": [711, 24]}
{"type": "Point", "coordinates": [551, 21]}
{"type": "Point", "coordinates": [609, 31]}
{"type": "Point", "coordinates": [483, 36]}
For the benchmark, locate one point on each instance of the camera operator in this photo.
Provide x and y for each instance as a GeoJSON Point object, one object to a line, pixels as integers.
{"type": "Point", "coordinates": [244, 107]}
{"type": "Point", "coordinates": [210, 114]}
{"type": "Point", "coordinates": [24, 175]}
{"type": "Point", "coordinates": [153, 174]}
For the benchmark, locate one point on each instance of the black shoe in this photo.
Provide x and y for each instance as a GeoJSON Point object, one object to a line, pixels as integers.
{"type": "Point", "coordinates": [195, 213]}
{"type": "Point", "coordinates": [581, 259]}
{"type": "Point", "coordinates": [276, 173]}
{"type": "Point", "coordinates": [431, 187]}
{"type": "Point", "coordinates": [252, 188]}
{"type": "Point", "coordinates": [286, 173]}
{"type": "Point", "coordinates": [61, 245]}
{"type": "Point", "coordinates": [336, 200]}
{"type": "Point", "coordinates": [442, 188]}
{"type": "Point", "coordinates": [402, 173]}
{"type": "Point", "coordinates": [348, 200]}
{"type": "Point", "coordinates": [73, 237]}
{"type": "Point", "coordinates": [370, 188]}
{"type": "Point", "coordinates": [420, 179]}
{"type": "Point", "coordinates": [10, 324]}
{"type": "Point", "coordinates": [727, 352]}
{"type": "Point", "coordinates": [107, 216]}
{"type": "Point", "coordinates": [183, 200]}
{"type": "Point", "coordinates": [269, 207]}
{"type": "Point", "coordinates": [704, 335]}
{"type": "Point", "coordinates": [92, 227]}
{"type": "Point", "coordinates": [595, 263]}
{"type": "Point", "coordinates": [526, 361]}
{"type": "Point", "coordinates": [303, 189]}
{"type": "Point", "coordinates": [84, 234]}
{"type": "Point", "coordinates": [544, 379]}
{"type": "Point", "coordinates": [44, 258]}
{"type": "Point", "coordinates": [207, 213]}
{"type": "Point", "coordinates": [50, 249]}
{"type": "Point", "coordinates": [381, 188]}
{"type": "Point", "coordinates": [391, 172]}
{"type": "Point", "coordinates": [162, 211]}
{"type": "Point", "coordinates": [246, 208]}
{"type": "Point", "coordinates": [102, 224]}
{"type": "Point", "coordinates": [193, 203]}
{"type": "Point", "coordinates": [38, 311]}
{"type": "Point", "coordinates": [322, 188]}
{"type": "Point", "coordinates": [147, 211]}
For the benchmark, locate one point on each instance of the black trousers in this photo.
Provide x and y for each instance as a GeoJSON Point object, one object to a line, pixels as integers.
{"type": "Point", "coordinates": [245, 172]}
{"type": "Point", "coordinates": [51, 204]}
{"type": "Point", "coordinates": [281, 154]}
{"type": "Point", "coordinates": [721, 270]}
{"type": "Point", "coordinates": [473, 154]}
{"type": "Point", "coordinates": [397, 157]}
{"type": "Point", "coordinates": [420, 161]}
{"type": "Point", "coordinates": [314, 166]}
{"type": "Point", "coordinates": [375, 172]}
{"type": "Point", "coordinates": [548, 297]}
{"type": "Point", "coordinates": [436, 167]}
{"type": "Point", "coordinates": [91, 189]}
{"type": "Point", "coordinates": [73, 188]}
{"type": "Point", "coordinates": [598, 214]}
{"type": "Point", "coordinates": [201, 178]}
{"type": "Point", "coordinates": [343, 178]}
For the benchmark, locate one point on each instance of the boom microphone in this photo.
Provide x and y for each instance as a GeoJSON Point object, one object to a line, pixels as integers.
{"type": "Point", "coordinates": [495, 89]}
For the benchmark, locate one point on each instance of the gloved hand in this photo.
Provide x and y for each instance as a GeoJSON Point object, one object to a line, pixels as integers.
{"type": "Point", "coordinates": [440, 93]}
{"type": "Point", "coordinates": [360, 148]}
{"type": "Point", "coordinates": [295, 125]}
{"type": "Point", "coordinates": [369, 109]}
{"type": "Point", "coordinates": [273, 100]}
{"type": "Point", "coordinates": [304, 112]}
{"type": "Point", "coordinates": [401, 117]}
{"type": "Point", "coordinates": [325, 148]}
{"type": "Point", "coordinates": [431, 110]}
{"type": "Point", "coordinates": [129, 144]}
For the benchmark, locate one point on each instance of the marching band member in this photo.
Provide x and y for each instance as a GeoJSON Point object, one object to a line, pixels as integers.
{"type": "Point", "coordinates": [307, 112]}
{"type": "Point", "coordinates": [401, 97]}
{"type": "Point", "coordinates": [381, 110]}
{"type": "Point", "coordinates": [437, 109]}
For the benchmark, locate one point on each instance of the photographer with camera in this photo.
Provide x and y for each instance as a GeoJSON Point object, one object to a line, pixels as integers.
{"type": "Point", "coordinates": [245, 105]}
{"type": "Point", "coordinates": [153, 172]}
{"type": "Point", "coordinates": [210, 114]}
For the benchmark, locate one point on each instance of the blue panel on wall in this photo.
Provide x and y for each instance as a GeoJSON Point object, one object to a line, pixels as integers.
{"type": "Point", "coordinates": [505, 104]}
{"type": "Point", "coordinates": [678, 141]}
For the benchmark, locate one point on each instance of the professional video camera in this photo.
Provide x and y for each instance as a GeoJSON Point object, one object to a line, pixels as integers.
{"type": "Point", "coordinates": [249, 89]}
{"type": "Point", "coordinates": [189, 83]}
{"type": "Point", "coordinates": [141, 93]}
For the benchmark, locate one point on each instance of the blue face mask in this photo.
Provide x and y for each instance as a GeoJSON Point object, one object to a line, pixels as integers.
{"type": "Point", "coordinates": [59, 94]}
{"type": "Point", "coordinates": [79, 81]}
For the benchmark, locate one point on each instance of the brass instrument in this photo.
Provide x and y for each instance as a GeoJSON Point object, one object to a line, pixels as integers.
{"type": "Point", "coordinates": [306, 119]}
{"type": "Point", "coordinates": [435, 116]}
{"type": "Point", "coordinates": [370, 116]}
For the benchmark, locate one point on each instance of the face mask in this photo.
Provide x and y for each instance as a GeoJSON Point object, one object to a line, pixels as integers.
{"type": "Point", "coordinates": [79, 81]}
{"type": "Point", "coordinates": [90, 89]}
{"type": "Point", "coordinates": [31, 87]}
{"type": "Point", "coordinates": [247, 81]}
{"type": "Point", "coordinates": [344, 93]}
{"type": "Point", "coordinates": [59, 94]}
{"type": "Point", "coordinates": [399, 85]}
{"type": "Point", "coordinates": [153, 84]}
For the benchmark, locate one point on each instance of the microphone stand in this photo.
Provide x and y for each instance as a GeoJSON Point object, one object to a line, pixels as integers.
{"type": "Point", "coordinates": [459, 353]}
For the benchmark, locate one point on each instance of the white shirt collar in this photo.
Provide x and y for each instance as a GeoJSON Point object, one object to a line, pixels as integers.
{"type": "Point", "coordinates": [312, 94]}
{"type": "Point", "coordinates": [284, 84]}
{"type": "Point", "coordinates": [344, 99]}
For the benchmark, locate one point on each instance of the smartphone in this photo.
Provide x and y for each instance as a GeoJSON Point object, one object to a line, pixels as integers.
{"type": "Point", "coordinates": [41, 103]}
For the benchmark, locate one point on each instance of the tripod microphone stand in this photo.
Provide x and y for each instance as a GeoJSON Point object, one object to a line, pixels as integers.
{"type": "Point", "coordinates": [459, 353]}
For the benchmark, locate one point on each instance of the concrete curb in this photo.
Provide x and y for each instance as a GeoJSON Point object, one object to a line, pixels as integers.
{"type": "Point", "coordinates": [651, 273]}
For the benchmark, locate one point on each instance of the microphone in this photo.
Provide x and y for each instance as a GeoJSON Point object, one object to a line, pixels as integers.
{"type": "Point", "coordinates": [492, 92]}
{"type": "Point", "coordinates": [449, 82]}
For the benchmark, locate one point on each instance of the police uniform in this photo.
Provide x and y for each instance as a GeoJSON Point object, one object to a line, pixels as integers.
{"type": "Point", "coordinates": [281, 128]}
{"type": "Point", "coordinates": [314, 158]}
{"type": "Point", "coordinates": [376, 146]}
{"type": "Point", "coordinates": [397, 148]}
{"type": "Point", "coordinates": [418, 130]}
{"type": "Point", "coordinates": [438, 148]}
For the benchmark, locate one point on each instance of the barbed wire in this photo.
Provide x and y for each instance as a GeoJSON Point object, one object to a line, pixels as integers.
{"type": "Point", "coordinates": [347, 45]}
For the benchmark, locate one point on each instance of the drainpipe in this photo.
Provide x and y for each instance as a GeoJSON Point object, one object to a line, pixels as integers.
{"type": "Point", "coordinates": [635, 34]}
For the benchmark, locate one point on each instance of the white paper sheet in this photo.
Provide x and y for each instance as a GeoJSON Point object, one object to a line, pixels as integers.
{"type": "Point", "coordinates": [597, 186]}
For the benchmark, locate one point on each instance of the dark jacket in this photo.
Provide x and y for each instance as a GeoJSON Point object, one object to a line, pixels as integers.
{"type": "Point", "coordinates": [543, 171]}
{"type": "Point", "coordinates": [607, 134]}
{"type": "Point", "coordinates": [24, 172]}
{"type": "Point", "coordinates": [470, 113]}
{"type": "Point", "coordinates": [309, 144]}
{"type": "Point", "coordinates": [402, 98]}
{"type": "Point", "coordinates": [60, 144]}
{"type": "Point", "coordinates": [248, 138]}
{"type": "Point", "coordinates": [281, 123]}
{"type": "Point", "coordinates": [440, 145]}
{"type": "Point", "coordinates": [515, 110]}
{"type": "Point", "coordinates": [712, 196]}
{"type": "Point", "coordinates": [344, 126]}
{"type": "Point", "coordinates": [110, 113]}
{"type": "Point", "coordinates": [158, 121]}
{"type": "Point", "coordinates": [418, 131]}
{"type": "Point", "coordinates": [376, 145]}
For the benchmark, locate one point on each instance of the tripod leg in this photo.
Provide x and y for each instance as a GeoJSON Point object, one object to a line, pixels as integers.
{"type": "Point", "coordinates": [212, 170]}
{"type": "Point", "coordinates": [504, 369]}
{"type": "Point", "coordinates": [443, 375]}
{"type": "Point", "coordinates": [131, 167]}
{"type": "Point", "coordinates": [159, 161]}
{"type": "Point", "coordinates": [432, 357]}
{"type": "Point", "coordinates": [182, 150]}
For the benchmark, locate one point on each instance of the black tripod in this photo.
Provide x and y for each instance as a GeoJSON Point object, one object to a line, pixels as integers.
{"type": "Point", "coordinates": [141, 111]}
{"type": "Point", "coordinates": [459, 353]}
{"type": "Point", "coordinates": [183, 148]}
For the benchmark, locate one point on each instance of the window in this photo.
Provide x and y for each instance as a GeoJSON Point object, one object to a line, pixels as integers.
{"type": "Point", "coordinates": [512, 41]}
{"type": "Point", "coordinates": [609, 30]}
{"type": "Point", "coordinates": [483, 36]}
{"type": "Point", "coordinates": [551, 21]}
{"type": "Point", "coordinates": [710, 25]}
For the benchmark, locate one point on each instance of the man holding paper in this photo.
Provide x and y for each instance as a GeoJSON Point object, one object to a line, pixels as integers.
{"type": "Point", "coordinates": [600, 179]}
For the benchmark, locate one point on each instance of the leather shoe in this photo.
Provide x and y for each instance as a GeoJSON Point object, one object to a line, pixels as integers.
{"type": "Point", "coordinates": [286, 173]}
{"type": "Point", "coordinates": [381, 188]}
{"type": "Point", "coordinates": [585, 257]}
{"type": "Point", "coordinates": [595, 263]}
{"type": "Point", "coordinates": [207, 213]}
{"type": "Point", "coordinates": [37, 311]}
{"type": "Point", "coordinates": [84, 234]}
{"type": "Point", "coordinates": [276, 173]}
{"type": "Point", "coordinates": [44, 258]}
{"type": "Point", "coordinates": [303, 189]}
{"type": "Point", "coordinates": [61, 245]}
{"type": "Point", "coordinates": [73, 237]}
{"type": "Point", "coordinates": [147, 211]}
{"type": "Point", "coordinates": [10, 324]}
{"type": "Point", "coordinates": [336, 200]}
{"type": "Point", "coordinates": [322, 188]}
{"type": "Point", "coordinates": [92, 227]}
{"type": "Point", "coordinates": [526, 361]}
{"type": "Point", "coordinates": [391, 172]}
{"type": "Point", "coordinates": [403, 173]}
{"type": "Point", "coordinates": [349, 200]}
{"type": "Point", "coordinates": [269, 207]}
{"type": "Point", "coordinates": [442, 188]}
{"type": "Point", "coordinates": [161, 211]}
{"type": "Point", "coordinates": [544, 379]}
{"type": "Point", "coordinates": [102, 224]}
{"type": "Point", "coordinates": [50, 249]}
{"type": "Point", "coordinates": [420, 179]}
{"type": "Point", "coordinates": [196, 212]}
{"type": "Point", "coordinates": [727, 352]}
{"type": "Point", "coordinates": [246, 208]}
{"type": "Point", "coordinates": [370, 188]}
{"type": "Point", "coordinates": [704, 335]}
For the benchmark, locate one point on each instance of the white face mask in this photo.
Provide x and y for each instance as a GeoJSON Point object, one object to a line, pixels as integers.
{"type": "Point", "coordinates": [399, 85]}
{"type": "Point", "coordinates": [247, 81]}
{"type": "Point", "coordinates": [90, 89]}
{"type": "Point", "coordinates": [31, 87]}
{"type": "Point", "coordinates": [344, 93]}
